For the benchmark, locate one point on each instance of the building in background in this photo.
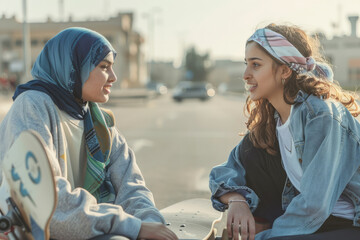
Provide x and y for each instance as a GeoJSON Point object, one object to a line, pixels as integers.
{"type": "Point", "coordinates": [343, 52]}
{"type": "Point", "coordinates": [165, 72]}
{"type": "Point", "coordinates": [227, 75]}
{"type": "Point", "coordinates": [130, 66]}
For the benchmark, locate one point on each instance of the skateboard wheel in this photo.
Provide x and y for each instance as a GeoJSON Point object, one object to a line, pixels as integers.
{"type": "Point", "coordinates": [5, 224]}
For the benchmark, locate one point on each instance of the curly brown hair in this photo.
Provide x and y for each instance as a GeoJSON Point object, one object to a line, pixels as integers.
{"type": "Point", "coordinates": [261, 123]}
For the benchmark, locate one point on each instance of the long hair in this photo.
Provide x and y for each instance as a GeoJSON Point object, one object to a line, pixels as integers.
{"type": "Point", "coordinates": [261, 123]}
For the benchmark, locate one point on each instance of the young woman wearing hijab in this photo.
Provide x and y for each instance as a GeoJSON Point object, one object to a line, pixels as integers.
{"type": "Point", "coordinates": [297, 169]}
{"type": "Point", "coordinates": [101, 192]}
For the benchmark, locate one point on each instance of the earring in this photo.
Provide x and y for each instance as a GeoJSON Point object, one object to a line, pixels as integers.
{"type": "Point", "coordinates": [283, 81]}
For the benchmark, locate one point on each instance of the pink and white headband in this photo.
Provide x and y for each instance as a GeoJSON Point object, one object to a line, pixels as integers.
{"type": "Point", "coordinates": [281, 49]}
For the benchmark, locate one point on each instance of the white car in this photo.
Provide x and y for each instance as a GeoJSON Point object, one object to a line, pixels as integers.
{"type": "Point", "coordinates": [190, 89]}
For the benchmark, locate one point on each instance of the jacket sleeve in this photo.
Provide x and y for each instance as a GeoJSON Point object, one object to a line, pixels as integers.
{"type": "Point", "coordinates": [132, 194]}
{"type": "Point", "coordinates": [325, 176]}
{"type": "Point", "coordinates": [230, 177]}
{"type": "Point", "coordinates": [77, 215]}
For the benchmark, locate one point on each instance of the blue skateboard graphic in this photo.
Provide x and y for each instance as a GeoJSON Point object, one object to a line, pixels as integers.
{"type": "Point", "coordinates": [27, 193]}
{"type": "Point", "coordinates": [28, 198]}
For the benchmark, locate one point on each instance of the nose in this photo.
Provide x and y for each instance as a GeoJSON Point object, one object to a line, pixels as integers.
{"type": "Point", "coordinates": [112, 76]}
{"type": "Point", "coordinates": [247, 75]}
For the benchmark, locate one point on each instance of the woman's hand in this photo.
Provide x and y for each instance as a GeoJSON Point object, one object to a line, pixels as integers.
{"type": "Point", "coordinates": [156, 231]}
{"type": "Point", "coordinates": [240, 217]}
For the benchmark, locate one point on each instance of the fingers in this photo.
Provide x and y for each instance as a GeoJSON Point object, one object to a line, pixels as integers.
{"type": "Point", "coordinates": [244, 230]}
{"type": "Point", "coordinates": [168, 234]}
{"type": "Point", "coordinates": [240, 220]}
{"type": "Point", "coordinates": [236, 227]}
{"type": "Point", "coordinates": [165, 236]}
{"type": "Point", "coordinates": [233, 225]}
{"type": "Point", "coordinates": [252, 229]}
{"type": "Point", "coordinates": [244, 227]}
{"type": "Point", "coordinates": [156, 231]}
{"type": "Point", "coordinates": [247, 227]}
{"type": "Point", "coordinates": [172, 235]}
{"type": "Point", "coordinates": [229, 225]}
{"type": "Point", "coordinates": [233, 228]}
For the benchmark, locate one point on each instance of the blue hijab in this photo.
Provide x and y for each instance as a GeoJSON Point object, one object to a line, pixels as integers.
{"type": "Point", "coordinates": [60, 71]}
{"type": "Point", "coordinates": [64, 65]}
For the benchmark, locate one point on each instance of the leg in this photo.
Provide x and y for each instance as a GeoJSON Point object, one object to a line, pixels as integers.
{"type": "Point", "coordinates": [109, 237]}
{"type": "Point", "coordinates": [266, 176]}
{"type": "Point", "coordinates": [348, 234]}
{"type": "Point", "coordinates": [333, 228]}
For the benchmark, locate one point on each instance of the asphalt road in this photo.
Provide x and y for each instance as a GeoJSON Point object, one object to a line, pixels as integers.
{"type": "Point", "coordinates": [177, 144]}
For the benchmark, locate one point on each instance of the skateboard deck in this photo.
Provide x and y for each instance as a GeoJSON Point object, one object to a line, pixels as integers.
{"type": "Point", "coordinates": [193, 219]}
{"type": "Point", "coordinates": [27, 194]}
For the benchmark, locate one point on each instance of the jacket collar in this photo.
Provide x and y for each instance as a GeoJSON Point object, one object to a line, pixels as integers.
{"type": "Point", "coordinates": [300, 98]}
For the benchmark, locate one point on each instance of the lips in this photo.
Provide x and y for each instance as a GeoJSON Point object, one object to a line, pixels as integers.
{"type": "Point", "coordinates": [250, 86]}
{"type": "Point", "coordinates": [107, 88]}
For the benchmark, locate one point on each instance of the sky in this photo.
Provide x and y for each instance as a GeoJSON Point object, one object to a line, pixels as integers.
{"type": "Point", "coordinates": [219, 27]}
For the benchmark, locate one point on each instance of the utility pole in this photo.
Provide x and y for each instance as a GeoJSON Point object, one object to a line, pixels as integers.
{"type": "Point", "coordinates": [61, 11]}
{"type": "Point", "coordinates": [150, 16]}
{"type": "Point", "coordinates": [26, 46]}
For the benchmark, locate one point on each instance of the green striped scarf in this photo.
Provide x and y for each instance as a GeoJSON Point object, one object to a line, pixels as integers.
{"type": "Point", "coordinates": [98, 148]}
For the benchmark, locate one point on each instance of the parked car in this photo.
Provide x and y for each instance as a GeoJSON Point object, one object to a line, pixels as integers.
{"type": "Point", "coordinates": [188, 89]}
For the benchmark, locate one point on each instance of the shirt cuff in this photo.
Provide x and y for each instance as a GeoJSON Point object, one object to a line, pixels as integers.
{"type": "Point", "coordinates": [249, 195]}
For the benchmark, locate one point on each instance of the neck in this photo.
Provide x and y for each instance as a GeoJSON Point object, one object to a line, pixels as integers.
{"type": "Point", "coordinates": [281, 107]}
{"type": "Point", "coordinates": [80, 102]}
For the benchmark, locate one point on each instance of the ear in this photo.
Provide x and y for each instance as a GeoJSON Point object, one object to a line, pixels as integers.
{"type": "Point", "coordinates": [285, 72]}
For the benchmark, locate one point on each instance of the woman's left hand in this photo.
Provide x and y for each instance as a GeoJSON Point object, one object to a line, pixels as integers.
{"type": "Point", "coordinates": [240, 218]}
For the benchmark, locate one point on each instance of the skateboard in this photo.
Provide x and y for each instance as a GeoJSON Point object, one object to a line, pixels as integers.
{"type": "Point", "coordinates": [194, 219]}
{"type": "Point", "coordinates": [27, 193]}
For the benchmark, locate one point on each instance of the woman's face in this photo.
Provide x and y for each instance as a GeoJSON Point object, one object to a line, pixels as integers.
{"type": "Point", "coordinates": [261, 80]}
{"type": "Point", "coordinates": [97, 86]}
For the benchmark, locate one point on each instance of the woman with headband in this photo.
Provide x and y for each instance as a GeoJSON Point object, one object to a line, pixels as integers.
{"type": "Point", "coordinates": [101, 192]}
{"type": "Point", "coordinates": [296, 172]}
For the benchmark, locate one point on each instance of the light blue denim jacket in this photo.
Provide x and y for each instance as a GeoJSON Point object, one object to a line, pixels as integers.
{"type": "Point", "coordinates": [327, 142]}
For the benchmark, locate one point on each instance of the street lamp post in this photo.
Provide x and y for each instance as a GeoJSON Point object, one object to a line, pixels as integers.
{"type": "Point", "coordinates": [26, 45]}
{"type": "Point", "coordinates": [151, 38]}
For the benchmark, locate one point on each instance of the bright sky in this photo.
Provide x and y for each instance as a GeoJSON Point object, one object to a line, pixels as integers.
{"type": "Point", "coordinates": [219, 27]}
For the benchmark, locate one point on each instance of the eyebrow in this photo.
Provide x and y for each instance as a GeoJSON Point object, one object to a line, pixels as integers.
{"type": "Point", "coordinates": [253, 58]}
{"type": "Point", "coordinates": [107, 61]}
